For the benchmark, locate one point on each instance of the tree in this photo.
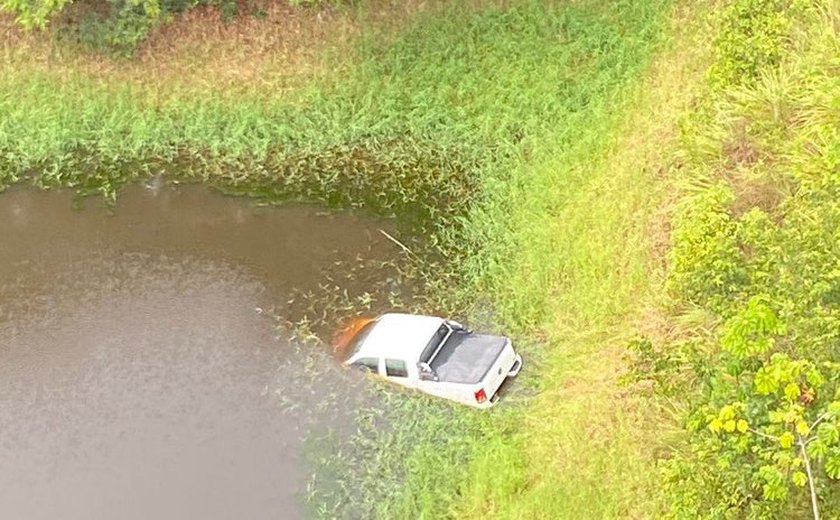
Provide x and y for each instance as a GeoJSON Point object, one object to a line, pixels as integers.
{"type": "Point", "coordinates": [33, 13]}
{"type": "Point", "coordinates": [786, 415]}
{"type": "Point", "coordinates": [763, 426]}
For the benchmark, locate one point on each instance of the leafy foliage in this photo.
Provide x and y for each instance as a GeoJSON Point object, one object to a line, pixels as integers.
{"type": "Point", "coordinates": [33, 13]}
{"type": "Point", "coordinates": [117, 28]}
{"type": "Point", "coordinates": [760, 389]}
{"type": "Point", "coordinates": [751, 331]}
{"type": "Point", "coordinates": [706, 267]}
{"type": "Point", "coordinates": [112, 26]}
{"type": "Point", "coordinates": [751, 38]}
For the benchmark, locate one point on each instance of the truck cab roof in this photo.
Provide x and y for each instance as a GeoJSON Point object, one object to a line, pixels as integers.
{"type": "Point", "coordinates": [397, 335]}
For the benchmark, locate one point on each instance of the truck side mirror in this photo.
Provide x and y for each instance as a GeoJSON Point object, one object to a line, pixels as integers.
{"type": "Point", "coordinates": [458, 327]}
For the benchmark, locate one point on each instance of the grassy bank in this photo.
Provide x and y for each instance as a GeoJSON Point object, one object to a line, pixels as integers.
{"type": "Point", "coordinates": [527, 145]}
{"type": "Point", "coordinates": [584, 267]}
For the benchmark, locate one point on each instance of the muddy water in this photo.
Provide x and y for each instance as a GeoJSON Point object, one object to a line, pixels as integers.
{"type": "Point", "coordinates": [141, 375]}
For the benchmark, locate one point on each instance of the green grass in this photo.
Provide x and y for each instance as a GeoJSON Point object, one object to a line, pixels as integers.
{"type": "Point", "coordinates": [525, 141]}
{"type": "Point", "coordinates": [463, 84]}
{"type": "Point", "coordinates": [585, 260]}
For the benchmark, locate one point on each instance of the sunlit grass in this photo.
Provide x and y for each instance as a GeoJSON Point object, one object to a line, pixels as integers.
{"type": "Point", "coordinates": [590, 265]}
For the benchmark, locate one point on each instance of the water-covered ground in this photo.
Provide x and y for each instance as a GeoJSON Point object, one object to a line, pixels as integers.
{"type": "Point", "coordinates": [142, 374]}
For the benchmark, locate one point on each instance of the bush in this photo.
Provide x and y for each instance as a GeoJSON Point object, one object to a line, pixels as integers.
{"type": "Point", "coordinates": [706, 261]}
{"type": "Point", "coordinates": [111, 26]}
{"type": "Point", "coordinates": [751, 38]}
{"type": "Point", "coordinates": [117, 28]}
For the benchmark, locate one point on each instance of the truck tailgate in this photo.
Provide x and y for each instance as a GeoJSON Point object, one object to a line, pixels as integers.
{"type": "Point", "coordinates": [499, 371]}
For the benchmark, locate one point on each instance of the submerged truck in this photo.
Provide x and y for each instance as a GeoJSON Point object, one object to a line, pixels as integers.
{"type": "Point", "coordinates": [435, 355]}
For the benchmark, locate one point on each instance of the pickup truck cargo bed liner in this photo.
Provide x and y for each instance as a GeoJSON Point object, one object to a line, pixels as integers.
{"type": "Point", "coordinates": [466, 358]}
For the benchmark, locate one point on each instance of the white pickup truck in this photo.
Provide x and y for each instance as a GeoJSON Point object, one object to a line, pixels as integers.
{"type": "Point", "coordinates": [436, 356]}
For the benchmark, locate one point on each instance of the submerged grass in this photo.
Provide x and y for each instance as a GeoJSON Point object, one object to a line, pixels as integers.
{"type": "Point", "coordinates": [522, 143]}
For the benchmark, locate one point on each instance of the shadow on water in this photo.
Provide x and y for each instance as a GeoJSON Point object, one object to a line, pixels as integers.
{"type": "Point", "coordinates": [142, 373]}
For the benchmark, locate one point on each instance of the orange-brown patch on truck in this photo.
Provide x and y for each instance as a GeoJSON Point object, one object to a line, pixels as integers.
{"type": "Point", "coordinates": [342, 337]}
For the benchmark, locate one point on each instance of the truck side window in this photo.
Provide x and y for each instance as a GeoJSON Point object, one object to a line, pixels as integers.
{"type": "Point", "coordinates": [370, 364]}
{"type": "Point", "coordinates": [395, 368]}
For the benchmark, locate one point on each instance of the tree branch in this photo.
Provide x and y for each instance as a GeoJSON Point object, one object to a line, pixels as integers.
{"type": "Point", "coordinates": [760, 434]}
{"type": "Point", "coordinates": [814, 504]}
{"type": "Point", "coordinates": [818, 421]}
{"type": "Point", "coordinates": [394, 240]}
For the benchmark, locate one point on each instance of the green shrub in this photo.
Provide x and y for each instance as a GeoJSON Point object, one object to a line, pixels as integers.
{"type": "Point", "coordinates": [33, 13]}
{"type": "Point", "coordinates": [751, 37]}
{"type": "Point", "coordinates": [117, 28]}
{"type": "Point", "coordinates": [110, 26]}
{"type": "Point", "coordinates": [706, 261]}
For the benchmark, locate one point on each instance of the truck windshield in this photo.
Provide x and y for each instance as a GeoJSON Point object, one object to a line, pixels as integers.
{"type": "Point", "coordinates": [356, 343]}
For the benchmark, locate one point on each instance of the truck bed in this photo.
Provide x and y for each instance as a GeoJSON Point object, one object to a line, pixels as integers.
{"type": "Point", "coordinates": [466, 358]}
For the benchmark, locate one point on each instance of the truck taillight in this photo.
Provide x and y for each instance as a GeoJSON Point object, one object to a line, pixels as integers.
{"type": "Point", "coordinates": [480, 396]}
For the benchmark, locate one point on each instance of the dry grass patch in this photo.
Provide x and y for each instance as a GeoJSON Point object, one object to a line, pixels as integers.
{"type": "Point", "coordinates": [270, 45]}
{"type": "Point", "coordinates": [286, 46]}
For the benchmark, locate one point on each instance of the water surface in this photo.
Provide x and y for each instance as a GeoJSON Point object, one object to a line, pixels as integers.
{"type": "Point", "coordinates": [141, 372]}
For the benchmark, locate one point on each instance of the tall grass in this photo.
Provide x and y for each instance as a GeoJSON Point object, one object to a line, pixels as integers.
{"type": "Point", "coordinates": [477, 85]}
{"type": "Point", "coordinates": [506, 133]}
{"type": "Point", "coordinates": [583, 258]}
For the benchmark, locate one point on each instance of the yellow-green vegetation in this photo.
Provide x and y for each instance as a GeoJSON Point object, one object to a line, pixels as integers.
{"type": "Point", "coordinates": [751, 373]}
{"type": "Point", "coordinates": [594, 257]}
{"type": "Point", "coordinates": [537, 155]}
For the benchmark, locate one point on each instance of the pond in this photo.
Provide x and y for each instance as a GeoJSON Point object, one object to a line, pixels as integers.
{"type": "Point", "coordinates": [142, 371]}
